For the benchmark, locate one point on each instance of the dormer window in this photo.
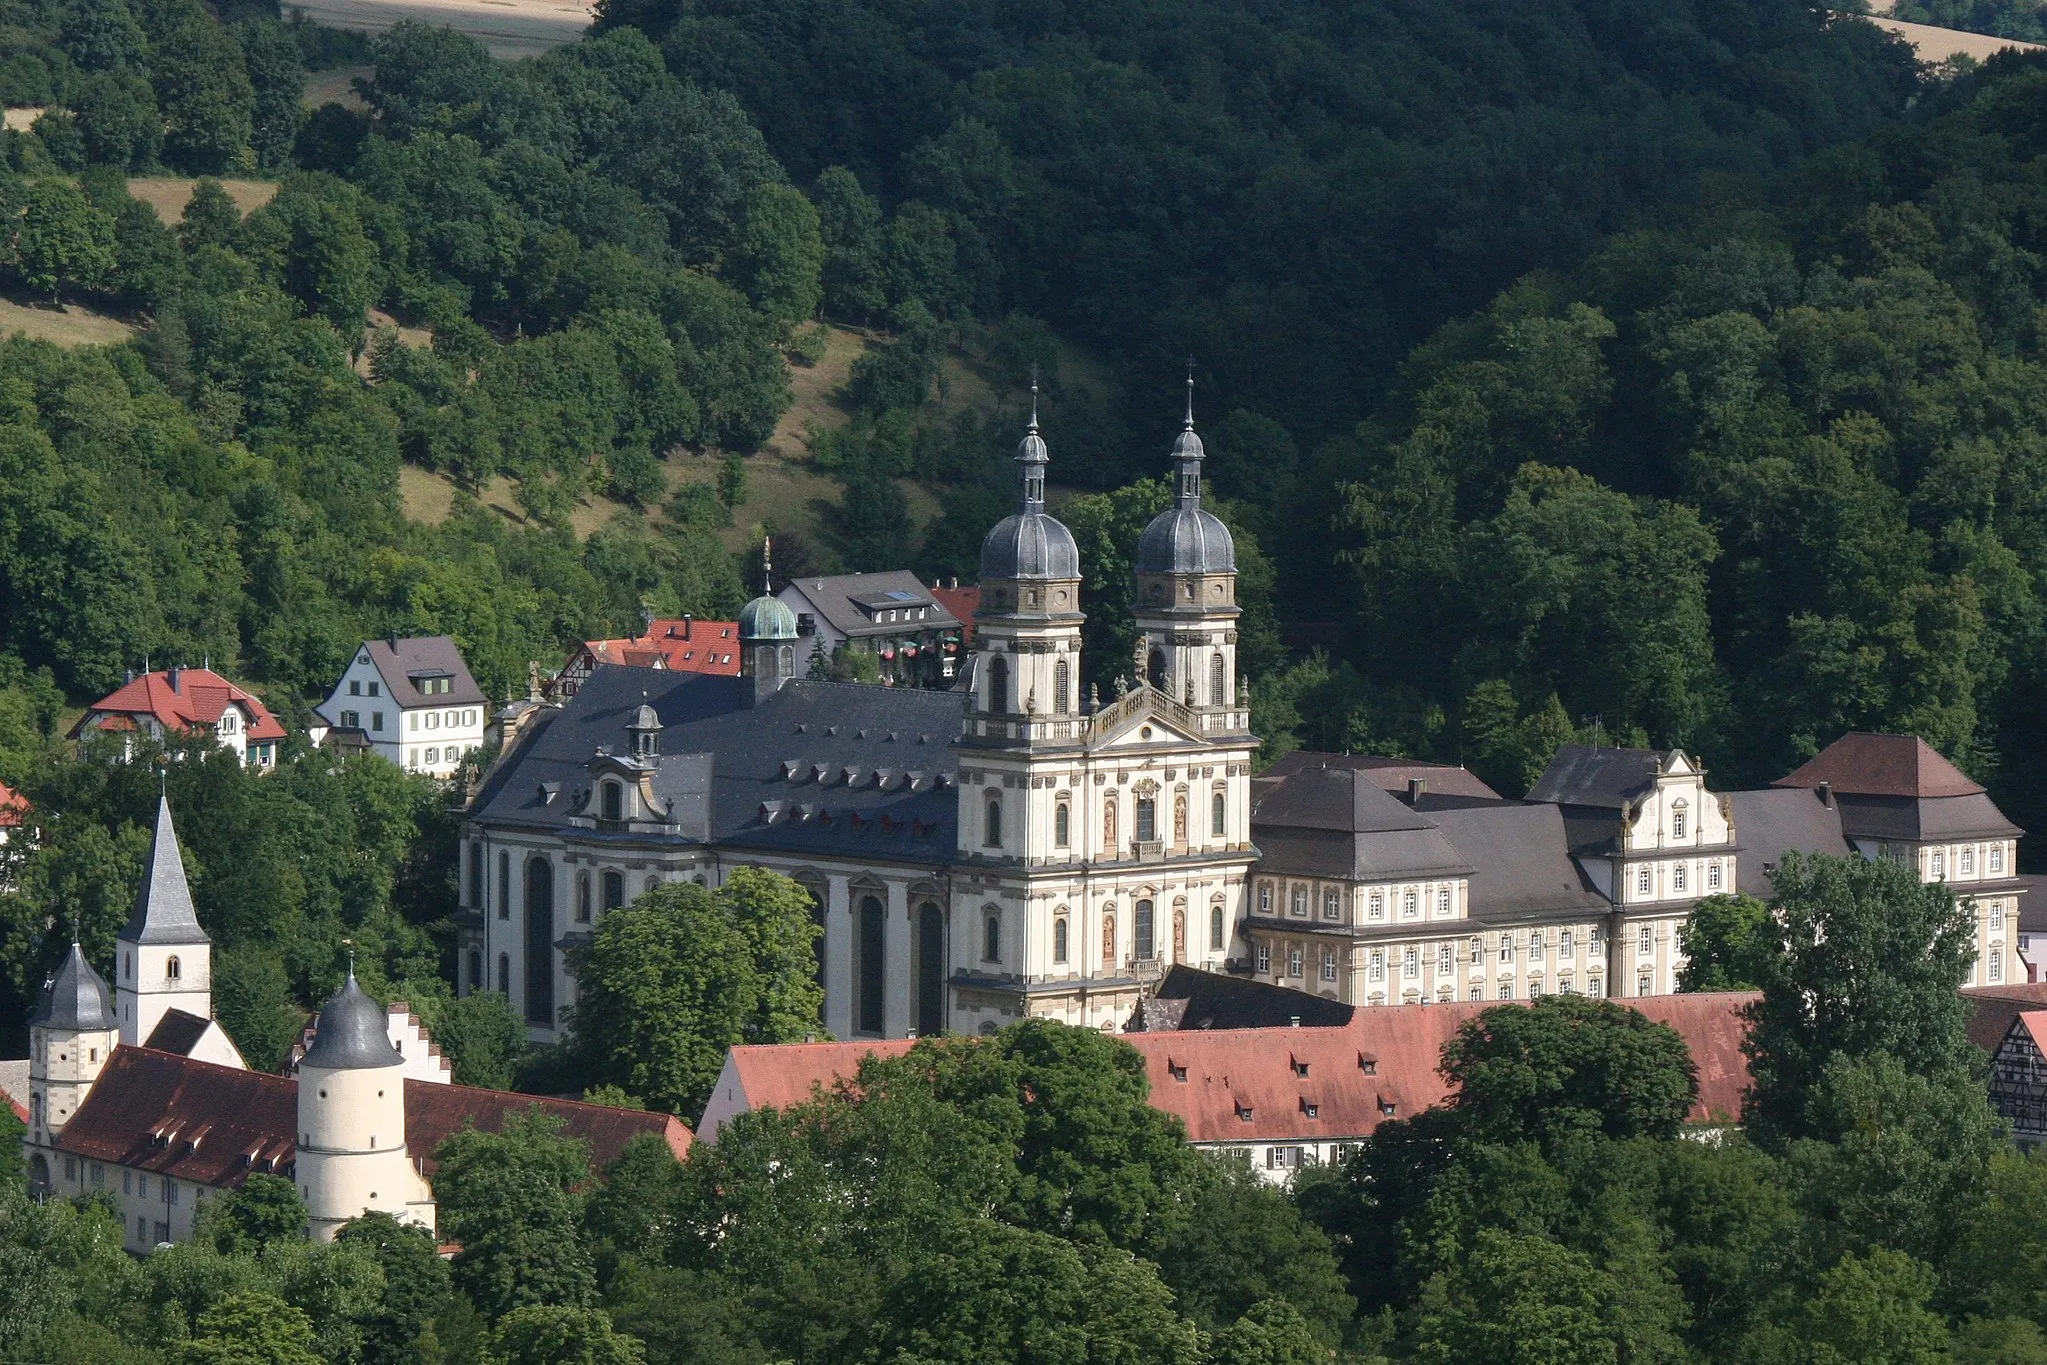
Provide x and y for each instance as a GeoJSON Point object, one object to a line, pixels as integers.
{"type": "Point", "coordinates": [1299, 1067]}
{"type": "Point", "coordinates": [611, 801]}
{"type": "Point", "coordinates": [1677, 820]}
{"type": "Point", "coordinates": [1368, 1064]}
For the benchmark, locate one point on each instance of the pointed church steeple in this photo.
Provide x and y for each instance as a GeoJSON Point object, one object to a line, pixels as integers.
{"type": "Point", "coordinates": [163, 911]}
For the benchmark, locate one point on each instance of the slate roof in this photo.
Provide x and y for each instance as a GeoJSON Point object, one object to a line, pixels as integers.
{"type": "Point", "coordinates": [213, 1125]}
{"type": "Point", "coordinates": [1862, 764]}
{"type": "Point", "coordinates": [352, 1033]}
{"type": "Point", "coordinates": [1774, 819]}
{"type": "Point", "coordinates": [163, 909]}
{"type": "Point", "coordinates": [1522, 867]}
{"type": "Point", "coordinates": [75, 997]}
{"type": "Point", "coordinates": [833, 598]}
{"type": "Point", "coordinates": [402, 663]}
{"type": "Point", "coordinates": [1392, 774]}
{"type": "Point", "coordinates": [1911, 819]}
{"type": "Point", "coordinates": [823, 767]}
{"type": "Point", "coordinates": [1247, 1085]}
{"type": "Point", "coordinates": [1188, 998]}
{"type": "Point", "coordinates": [178, 1031]}
{"type": "Point", "coordinates": [1582, 775]}
{"type": "Point", "coordinates": [197, 700]}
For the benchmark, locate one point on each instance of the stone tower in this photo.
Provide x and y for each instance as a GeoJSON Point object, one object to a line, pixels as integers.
{"type": "Point", "coordinates": [351, 1152]}
{"type": "Point", "coordinates": [164, 959]}
{"type": "Point", "coordinates": [70, 1037]}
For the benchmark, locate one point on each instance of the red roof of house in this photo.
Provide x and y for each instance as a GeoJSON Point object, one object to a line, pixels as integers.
{"type": "Point", "coordinates": [1860, 764]}
{"type": "Point", "coordinates": [682, 645]}
{"type": "Point", "coordinates": [196, 702]}
{"type": "Point", "coordinates": [13, 806]}
{"type": "Point", "coordinates": [962, 603]}
{"type": "Point", "coordinates": [213, 1125]}
{"type": "Point", "coordinates": [1247, 1085]}
{"type": "Point", "coordinates": [2034, 1022]}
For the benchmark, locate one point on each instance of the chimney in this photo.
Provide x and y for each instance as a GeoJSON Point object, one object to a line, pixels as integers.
{"type": "Point", "coordinates": [688, 625]}
{"type": "Point", "coordinates": [1415, 787]}
{"type": "Point", "coordinates": [131, 675]}
{"type": "Point", "coordinates": [1293, 1021]}
{"type": "Point", "coordinates": [1827, 795]}
{"type": "Point", "coordinates": [174, 675]}
{"type": "Point", "coordinates": [391, 642]}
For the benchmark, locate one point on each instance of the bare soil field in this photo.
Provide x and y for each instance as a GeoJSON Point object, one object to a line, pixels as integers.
{"type": "Point", "coordinates": [509, 28]}
{"type": "Point", "coordinates": [168, 195]}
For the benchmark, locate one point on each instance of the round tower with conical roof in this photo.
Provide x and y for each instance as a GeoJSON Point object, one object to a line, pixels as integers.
{"type": "Point", "coordinates": [351, 1150]}
{"type": "Point", "coordinates": [70, 1036]}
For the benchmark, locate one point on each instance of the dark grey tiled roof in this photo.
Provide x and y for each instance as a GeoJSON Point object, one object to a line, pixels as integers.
{"type": "Point", "coordinates": [1581, 775]}
{"type": "Point", "coordinates": [817, 767]}
{"type": "Point", "coordinates": [1440, 779]}
{"type": "Point", "coordinates": [163, 911]}
{"type": "Point", "coordinates": [1188, 998]}
{"type": "Point", "coordinates": [1357, 857]}
{"type": "Point", "coordinates": [1520, 864]}
{"type": "Point", "coordinates": [404, 662]}
{"type": "Point", "coordinates": [351, 1034]}
{"type": "Point", "coordinates": [177, 1032]}
{"type": "Point", "coordinates": [834, 599]}
{"type": "Point", "coordinates": [75, 997]}
{"type": "Point", "coordinates": [1775, 819]}
{"type": "Point", "coordinates": [1909, 819]}
{"type": "Point", "coordinates": [1331, 798]}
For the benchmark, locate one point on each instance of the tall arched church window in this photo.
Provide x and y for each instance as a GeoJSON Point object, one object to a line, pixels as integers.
{"type": "Point", "coordinates": [1062, 688]}
{"type": "Point", "coordinates": [614, 890]}
{"type": "Point", "coordinates": [991, 936]}
{"type": "Point", "coordinates": [1059, 940]}
{"type": "Point", "coordinates": [1155, 671]}
{"type": "Point", "coordinates": [1215, 928]}
{"type": "Point", "coordinates": [1145, 931]}
{"type": "Point", "coordinates": [504, 973]}
{"type": "Point", "coordinates": [1062, 825]}
{"type": "Point", "coordinates": [614, 801]}
{"type": "Point", "coordinates": [172, 969]}
{"type": "Point", "coordinates": [1147, 819]}
{"type": "Point", "coordinates": [991, 829]}
{"type": "Point", "coordinates": [1218, 693]}
{"type": "Point", "coordinates": [504, 885]}
{"type": "Point", "coordinates": [1219, 815]}
{"type": "Point", "coordinates": [998, 685]}
{"type": "Point", "coordinates": [476, 876]}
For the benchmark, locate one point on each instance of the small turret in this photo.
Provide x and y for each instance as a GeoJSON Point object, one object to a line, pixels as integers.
{"type": "Point", "coordinates": [351, 1153]}
{"type": "Point", "coordinates": [70, 1036]}
{"type": "Point", "coordinates": [767, 637]}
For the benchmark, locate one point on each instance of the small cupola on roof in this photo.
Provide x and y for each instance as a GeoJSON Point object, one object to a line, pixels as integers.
{"type": "Point", "coordinates": [1030, 543]}
{"type": "Point", "coordinates": [75, 997]}
{"type": "Point", "coordinates": [1185, 539]}
{"type": "Point", "coordinates": [352, 1033]}
{"type": "Point", "coordinates": [767, 635]}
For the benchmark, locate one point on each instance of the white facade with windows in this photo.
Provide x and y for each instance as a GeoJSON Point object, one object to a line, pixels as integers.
{"type": "Point", "coordinates": [411, 701]}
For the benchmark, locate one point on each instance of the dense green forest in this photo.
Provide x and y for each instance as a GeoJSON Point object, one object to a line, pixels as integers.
{"type": "Point", "coordinates": [1015, 1200]}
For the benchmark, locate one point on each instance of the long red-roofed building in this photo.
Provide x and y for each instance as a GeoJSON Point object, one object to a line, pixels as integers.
{"type": "Point", "coordinates": [162, 1133]}
{"type": "Point", "coordinates": [1285, 1097]}
{"type": "Point", "coordinates": [175, 700]}
{"type": "Point", "coordinates": [683, 645]}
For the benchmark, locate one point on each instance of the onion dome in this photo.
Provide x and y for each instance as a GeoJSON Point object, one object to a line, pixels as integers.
{"type": "Point", "coordinates": [352, 1034]}
{"type": "Point", "coordinates": [1185, 538]}
{"type": "Point", "coordinates": [75, 997]}
{"type": "Point", "coordinates": [1029, 543]}
{"type": "Point", "coordinates": [644, 718]}
{"type": "Point", "coordinates": [767, 617]}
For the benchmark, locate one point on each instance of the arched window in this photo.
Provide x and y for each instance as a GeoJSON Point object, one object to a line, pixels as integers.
{"type": "Point", "coordinates": [172, 970]}
{"type": "Point", "coordinates": [1678, 813]}
{"type": "Point", "coordinates": [614, 801]}
{"type": "Point", "coordinates": [539, 942]}
{"type": "Point", "coordinates": [476, 981]}
{"type": "Point", "coordinates": [614, 890]}
{"type": "Point", "coordinates": [652, 883]}
{"type": "Point", "coordinates": [991, 828]}
{"type": "Point", "coordinates": [1180, 819]}
{"type": "Point", "coordinates": [1109, 824]}
{"type": "Point", "coordinates": [1062, 688]}
{"type": "Point", "coordinates": [1146, 949]}
{"type": "Point", "coordinates": [1062, 825]}
{"type": "Point", "coordinates": [991, 936]}
{"type": "Point", "coordinates": [504, 973]}
{"type": "Point", "coordinates": [1155, 670]}
{"type": "Point", "coordinates": [1059, 940]}
{"type": "Point", "coordinates": [1215, 928]}
{"type": "Point", "coordinates": [504, 885]}
{"type": "Point", "coordinates": [870, 967]}
{"type": "Point", "coordinates": [1218, 684]}
{"type": "Point", "coordinates": [1147, 819]}
{"type": "Point", "coordinates": [476, 875]}
{"type": "Point", "coordinates": [127, 967]}
{"type": "Point", "coordinates": [582, 898]}
{"type": "Point", "coordinates": [998, 685]}
{"type": "Point", "coordinates": [1219, 815]}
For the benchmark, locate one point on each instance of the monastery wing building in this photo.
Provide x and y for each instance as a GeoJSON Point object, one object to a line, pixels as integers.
{"type": "Point", "coordinates": [1007, 848]}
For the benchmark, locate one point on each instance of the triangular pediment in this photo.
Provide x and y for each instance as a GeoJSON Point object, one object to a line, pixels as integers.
{"type": "Point", "coordinates": [1140, 719]}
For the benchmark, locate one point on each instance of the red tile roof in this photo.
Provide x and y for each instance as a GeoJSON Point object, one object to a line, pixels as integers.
{"type": "Point", "coordinates": [962, 603]}
{"type": "Point", "coordinates": [196, 702]}
{"type": "Point", "coordinates": [2035, 1024]}
{"type": "Point", "coordinates": [682, 646]}
{"type": "Point", "coordinates": [1245, 1085]}
{"type": "Point", "coordinates": [1992, 1009]}
{"type": "Point", "coordinates": [13, 806]}
{"type": "Point", "coordinates": [214, 1124]}
{"type": "Point", "coordinates": [1860, 764]}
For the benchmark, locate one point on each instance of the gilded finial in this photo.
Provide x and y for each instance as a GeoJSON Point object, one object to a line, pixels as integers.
{"type": "Point", "coordinates": [1190, 393]}
{"type": "Point", "coordinates": [1034, 396]}
{"type": "Point", "coordinates": [767, 566]}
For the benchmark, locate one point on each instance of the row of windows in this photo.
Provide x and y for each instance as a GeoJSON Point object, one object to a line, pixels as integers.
{"type": "Point", "coordinates": [433, 754]}
{"type": "Point", "coordinates": [1332, 902]}
{"type": "Point", "coordinates": [434, 720]}
{"type": "Point", "coordinates": [1680, 877]}
{"type": "Point", "coordinates": [1147, 821]}
{"type": "Point", "coordinates": [1145, 928]}
{"type": "Point", "coordinates": [1965, 861]}
{"type": "Point", "coordinates": [1062, 682]}
{"type": "Point", "coordinates": [1594, 986]}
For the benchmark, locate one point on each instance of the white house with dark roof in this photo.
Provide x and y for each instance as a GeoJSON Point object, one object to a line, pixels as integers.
{"type": "Point", "coordinates": [412, 701]}
{"type": "Point", "coordinates": [892, 616]}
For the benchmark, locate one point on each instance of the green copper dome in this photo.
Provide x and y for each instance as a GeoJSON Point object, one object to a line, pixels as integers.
{"type": "Point", "coordinates": [767, 618]}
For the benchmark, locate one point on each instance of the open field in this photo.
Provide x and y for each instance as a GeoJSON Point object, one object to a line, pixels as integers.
{"type": "Point", "coordinates": [335, 87]}
{"type": "Point", "coordinates": [168, 194]}
{"type": "Point", "coordinates": [509, 28]}
{"type": "Point", "coordinates": [66, 326]}
{"type": "Point", "coordinates": [24, 117]}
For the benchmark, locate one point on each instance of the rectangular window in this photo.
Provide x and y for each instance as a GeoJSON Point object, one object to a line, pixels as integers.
{"type": "Point", "coordinates": [1997, 917]}
{"type": "Point", "coordinates": [1646, 941]}
{"type": "Point", "coordinates": [1329, 964]}
{"type": "Point", "coordinates": [1566, 943]}
{"type": "Point", "coordinates": [1677, 876]}
{"type": "Point", "coordinates": [1968, 862]}
{"type": "Point", "coordinates": [1408, 904]}
{"type": "Point", "coordinates": [1265, 959]}
{"type": "Point", "coordinates": [1332, 903]}
{"type": "Point", "coordinates": [170, 1192]}
{"type": "Point", "coordinates": [1939, 864]}
{"type": "Point", "coordinates": [1506, 948]}
{"type": "Point", "coordinates": [377, 721]}
{"type": "Point", "coordinates": [1642, 984]}
{"type": "Point", "coordinates": [1535, 989]}
{"type": "Point", "coordinates": [163, 1232]}
{"type": "Point", "coordinates": [1445, 958]}
{"type": "Point", "coordinates": [1997, 964]}
{"type": "Point", "coordinates": [1997, 857]}
{"type": "Point", "coordinates": [1477, 951]}
{"type": "Point", "coordinates": [412, 720]}
{"type": "Point", "coordinates": [1265, 898]}
{"type": "Point", "coordinates": [1506, 990]}
{"type": "Point", "coordinates": [354, 688]}
{"type": "Point", "coordinates": [1645, 882]}
{"type": "Point", "coordinates": [1712, 876]}
{"type": "Point", "coordinates": [373, 690]}
{"type": "Point", "coordinates": [1299, 904]}
{"type": "Point", "coordinates": [1411, 962]}
{"type": "Point", "coordinates": [1443, 901]}
{"type": "Point", "coordinates": [1295, 960]}
{"type": "Point", "coordinates": [1535, 945]}
{"type": "Point", "coordinates": [142, 1186]}
{"type": "Point", "coordinates": [127, 1182]}
{"type": "Point", "coordinates": [1378, 964]}
{"type": "Point", "coordinates": [1375, 906]}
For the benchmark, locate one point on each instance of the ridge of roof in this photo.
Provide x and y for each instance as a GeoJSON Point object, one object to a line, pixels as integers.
{"type": "Point", "coordinates": [1867, 763]}
{"type": "Point", "coordinates": [180, 707]}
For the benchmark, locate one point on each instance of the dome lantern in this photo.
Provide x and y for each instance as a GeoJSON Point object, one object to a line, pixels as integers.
{"type": "Point", "coordinates": [1030, 543]}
